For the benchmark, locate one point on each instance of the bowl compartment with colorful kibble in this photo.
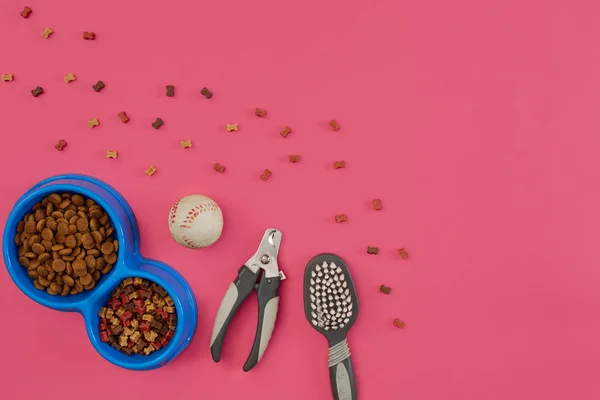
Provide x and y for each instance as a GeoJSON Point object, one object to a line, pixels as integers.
{"type": "Point", "coordinates": [139, 318]}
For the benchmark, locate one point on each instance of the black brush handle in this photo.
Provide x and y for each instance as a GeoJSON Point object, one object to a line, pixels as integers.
{"type": "Point", "coordinates": [341, 373]}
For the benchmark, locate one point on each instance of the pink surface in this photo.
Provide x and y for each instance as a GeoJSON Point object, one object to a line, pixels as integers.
{"type": "Point", "coordinates": [476, 122]}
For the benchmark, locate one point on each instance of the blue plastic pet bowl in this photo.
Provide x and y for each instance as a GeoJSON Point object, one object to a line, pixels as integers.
{"type": "Point", "coordinates": [130, 263]}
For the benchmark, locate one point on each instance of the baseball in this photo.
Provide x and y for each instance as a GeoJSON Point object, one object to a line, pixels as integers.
{"type": "Point", "coordinates": [195, 221]}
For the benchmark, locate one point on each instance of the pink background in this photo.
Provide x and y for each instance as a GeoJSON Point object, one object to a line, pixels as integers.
{"type": "Point", "coordinates": [476, 122]}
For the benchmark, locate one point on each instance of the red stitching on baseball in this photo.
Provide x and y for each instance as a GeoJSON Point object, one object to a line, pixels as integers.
{"type": "Point", "coordinates": [173, 214]}
{"type": "Point", "coordinates": [197, 210]}
{"type": "Point", "coordinates": [190, 242]}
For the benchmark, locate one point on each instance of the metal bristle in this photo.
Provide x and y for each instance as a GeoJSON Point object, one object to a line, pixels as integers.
{"type": "Point", "coordinates": [330, 298]}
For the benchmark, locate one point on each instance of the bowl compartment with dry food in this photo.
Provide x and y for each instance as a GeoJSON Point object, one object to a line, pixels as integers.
{"type": "Point", "coordinates": [129, 263]}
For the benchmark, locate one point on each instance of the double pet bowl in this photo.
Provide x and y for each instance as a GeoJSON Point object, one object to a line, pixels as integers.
{"type": "Point", "coordinates": [130, 263]}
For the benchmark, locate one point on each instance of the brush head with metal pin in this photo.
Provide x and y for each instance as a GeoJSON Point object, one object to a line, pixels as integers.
{"type": "Point", "coordinates": [330, 302]}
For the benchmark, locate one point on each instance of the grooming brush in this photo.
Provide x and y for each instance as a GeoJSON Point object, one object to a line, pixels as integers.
{"type": "Point", "coordinates": [331, 307]}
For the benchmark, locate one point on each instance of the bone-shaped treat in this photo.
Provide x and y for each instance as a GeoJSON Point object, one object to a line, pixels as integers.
{"type": "Point", "coordinates": [286, 131]}
{"type": "Point", "coordinates": [93, 122]}
{"type": "Point", "coordinates": [99, 86]}
{"type": "Point", "coordinates": [69, 78]}
{"type": "Point", "coordinates": [206, 93]}
{"type": "Point", "coordinates": [158, 123]}
{"type": "Point", "coordinates": [26, 12]}
{"type": "Point", "coordinates": [123, 116]}
{"type": "Point", "coordinates": [37, 91]}
{"type": "Point", "coordinates": [170, 90]}
{"type": "Point", "coordinates": [47, 32]}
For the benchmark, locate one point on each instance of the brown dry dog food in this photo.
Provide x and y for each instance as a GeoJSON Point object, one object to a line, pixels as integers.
{"type": "Point", "coordinates": [60, 145]}
{"type": "Point", "coordinates": [286, 131]}
{"type": "Point", "coordinates": [123, 116]}
{"type": "Point", "coordinates": [186, 144]}
{"type": "Point", "coordinates": [7, 77]}
{"type": "Point", "coordinates": [151, 170]}
{"type": "Point", "coordinates": [341, 218]}
{"type": "Point", "coordinates": [339, 164]}
{"type": "Point", "coordinates": [232, 127]}
{"type": "Point", "coordinates": [384, 289]}
{"type": "Point", "coordinates": [334, 125]}
{"type": "Point", "coordinates": [158, 123]}
{"type": "Point", "coordinates": [265, 175]}
{"type": "Point", "coordinates": [111, 154]}
{"type": "Point", "coordinates": [399, 324]}
{"type": "Point", "coordinates": [26, 12]}
{"type": "Point", "coordinates": [69, 78]}
{"type": "Point", "coordinates": [376, 204]}
{"type": "Point", "coordinates": [219, 168]}
{"type": "Point", "coordinates": [403, 253]}
{"type": "Point", "coordinates": [37, 91]}
{"type": "Point", "coordinates": [60, 242]}
{"type": "Point", "coordinates": [93, 122]}
{"type": "Point", "coordinates": [89, 36]}
{"type": "Point", "coordinates": [206, 93]}
{"type": "Point", "coordinates": [170, 90]}
{"type": "Point", "coordinates": [295, 158]}
{"type": "Point", "coordinates": [372, 250]}
{"type": "Point", "coordinates": [47, 32]}
{"type": "Point", "coordinates": [260, 112]}
{"type": "Point", "coordinates": [139, 317]}
{"type": "Point", "coordinates": [99, 86]}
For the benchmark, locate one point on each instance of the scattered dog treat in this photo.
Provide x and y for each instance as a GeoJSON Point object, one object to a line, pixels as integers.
{"type": "Point", "coordinates": [93, 122]}
{"type": "Point", "coordinates": [339, 164]}
{"type": "Point", "coordinates": [265, 175]}
{"type": "Point", "coordinates": [372, 250]}
{"type": "Point", "coordinates": [47, 32]}
{"type": "Point", "coordinates": [260, 113]}
{"type": "Point", "coordinates": [37, 91]}
{"type": "Point", "coordinates": [26, 12]}
{"type": "Point", "coordinates": [206, 93]}
{"type": "Point", "coordinates": [385, 289]}
{"type": "Point", "coordinates": [138, 318]}
{"type": "Point", "coordinates": [286, 131]}
{"type": "Point", "coordinates": [403, 253]}
{"type": "Point", "coordinates": [66, 243]}
{"type": "Point", "coordinates": [151, 170]}
{"type": "Point", "coordinates": [123, 116]}
{"type": "Point", "coordinates": [219, 168]}
{"type": "Point", "coordinates": [334, 125]}
{"type": "Point", "coordinates": [170, 90]}
{"type": "Point", "coordinates": [295, 158]}
{"type": "Point", "coordinates": [111, 154]}
{"type": "Point", "coordinates": [60, 145]}
{"type": "Point", "coordinates": [232, 127]}
{"type": "Point", "coordinates": [98, 86]}
{"type": "Point", "coordinates": [158, 123]}
{"type": "Point", "coordinates": [7, 77]}
{"type": "Point", "coordinates": [399, 324]}
{"type": "Point", "coordinates": [69, 78]}
{"type": "Point", "coordinates": [341, 218]}
{"type": "Point", "coordinates": [186, 144]}
{"type": "Point", "coordinates": [89, 36]}
{"type": "Point", "coordinates": [376, 204]}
